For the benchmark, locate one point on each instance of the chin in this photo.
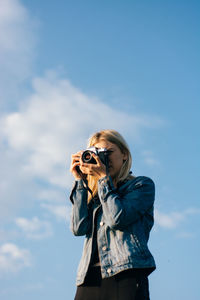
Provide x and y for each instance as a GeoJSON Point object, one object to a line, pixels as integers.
{"type": "Point", "coordinates": [113, 176]}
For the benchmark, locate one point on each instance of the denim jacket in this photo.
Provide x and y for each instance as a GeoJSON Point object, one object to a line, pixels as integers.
{"type": "Point", "coordinates": [124, 221]}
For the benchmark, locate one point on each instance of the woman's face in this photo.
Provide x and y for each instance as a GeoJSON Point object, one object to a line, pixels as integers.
{"type": "Point", "coordinates": [116, 157]}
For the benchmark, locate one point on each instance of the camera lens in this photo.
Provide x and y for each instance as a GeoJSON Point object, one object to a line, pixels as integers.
{"type": "Point", "coordinates": [88, 158]}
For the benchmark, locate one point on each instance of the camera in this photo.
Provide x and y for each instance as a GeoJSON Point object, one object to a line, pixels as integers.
{"type": "Point", "coordinates": [102, 153]}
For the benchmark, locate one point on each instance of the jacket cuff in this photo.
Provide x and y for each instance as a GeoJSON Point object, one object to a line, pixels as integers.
{"type": "Point", "coordinates": [105, 187]}
{"type": "Point", "coordinates": [78, 185]}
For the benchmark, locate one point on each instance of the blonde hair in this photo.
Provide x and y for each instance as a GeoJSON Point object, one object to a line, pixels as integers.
{"type": "Point", "coordinates": [113, 137]}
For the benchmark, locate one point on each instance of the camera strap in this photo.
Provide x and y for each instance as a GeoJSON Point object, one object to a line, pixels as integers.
{"type": "Point", "coordinates": [85, 183]}
{"type": "Point", "coordinates": [87, 187]}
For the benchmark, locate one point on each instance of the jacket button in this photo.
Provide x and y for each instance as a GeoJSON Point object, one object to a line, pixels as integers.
{"type": "Point", "coordinates": [104, 248]}
{"type": "Point", "coordinates": [109, 271]}
{"type": "Point", "coordinates": [101, 223]}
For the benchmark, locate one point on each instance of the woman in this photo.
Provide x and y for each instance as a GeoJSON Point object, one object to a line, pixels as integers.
{"type": "Point", "coordinates": [114, 210]}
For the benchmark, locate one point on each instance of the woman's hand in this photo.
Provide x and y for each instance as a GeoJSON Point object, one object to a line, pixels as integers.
{"type": "Point", "coordinates": [75, 165]}
{"type": "Point", "coordinates": [98, 170]}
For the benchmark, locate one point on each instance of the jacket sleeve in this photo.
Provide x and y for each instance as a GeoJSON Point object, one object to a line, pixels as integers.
{"type": "Point", "coordinates": [80, 217]}
{"type": "Point", "coordinates": [121, 210]}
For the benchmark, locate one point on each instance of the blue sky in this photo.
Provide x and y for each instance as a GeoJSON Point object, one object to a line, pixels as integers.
{"type": "Point", "coordinates": [69, 68]}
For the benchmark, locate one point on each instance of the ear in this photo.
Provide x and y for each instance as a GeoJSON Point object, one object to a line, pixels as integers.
{"type": "Point", "coordinates": [125, 156]}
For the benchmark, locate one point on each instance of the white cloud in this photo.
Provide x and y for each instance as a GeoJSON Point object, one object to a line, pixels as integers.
{"type": "Point", "coordinates": [35, 228]}
{"type": "Point", "coordinates": [61, 212]}
{"type": "Point", "coordinates": [56, 121]}
{"type": "Point", "coordinates": [186, 235]}
{"type": "Point", "coordinates": [192, 211]}
{"type": "Point", "coordinates": [149, 158]}
{"type": "Point", "coordinates": [170, 220]}
{"type": "Point", "coordinates": [173, 219]}
{"type": "Point", "coordinates": [54, 202]}
{"type": "Point", "coordinates": [13, 258]}
{"type": "Point", "coordinates": [53, 196]}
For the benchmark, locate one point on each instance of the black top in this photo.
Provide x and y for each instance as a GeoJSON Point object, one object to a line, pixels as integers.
{"type": "Point", "coordinates": [95, 253]}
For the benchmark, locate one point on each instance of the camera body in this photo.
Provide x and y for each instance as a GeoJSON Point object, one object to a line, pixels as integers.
{"type": "Point", "coordinates": [102, 153]}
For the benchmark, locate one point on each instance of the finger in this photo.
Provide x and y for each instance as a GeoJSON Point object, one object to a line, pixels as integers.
{"type": "Point", "coordinates": [87, 171]}
{"type": "Point", "coordinates": [73, 156]}
{"type": "Point", "coordinates": [74, 166]}
{"type": "Point", "coordinates": [85, 165]}
{"type": "Point", "coordinates": [75, 160]}
{"type": "Point", "coordinates": [86, 168]}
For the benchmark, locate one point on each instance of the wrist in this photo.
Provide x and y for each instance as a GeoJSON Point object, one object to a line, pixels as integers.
{"type": "Point", "coordinates": [103, 175]}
